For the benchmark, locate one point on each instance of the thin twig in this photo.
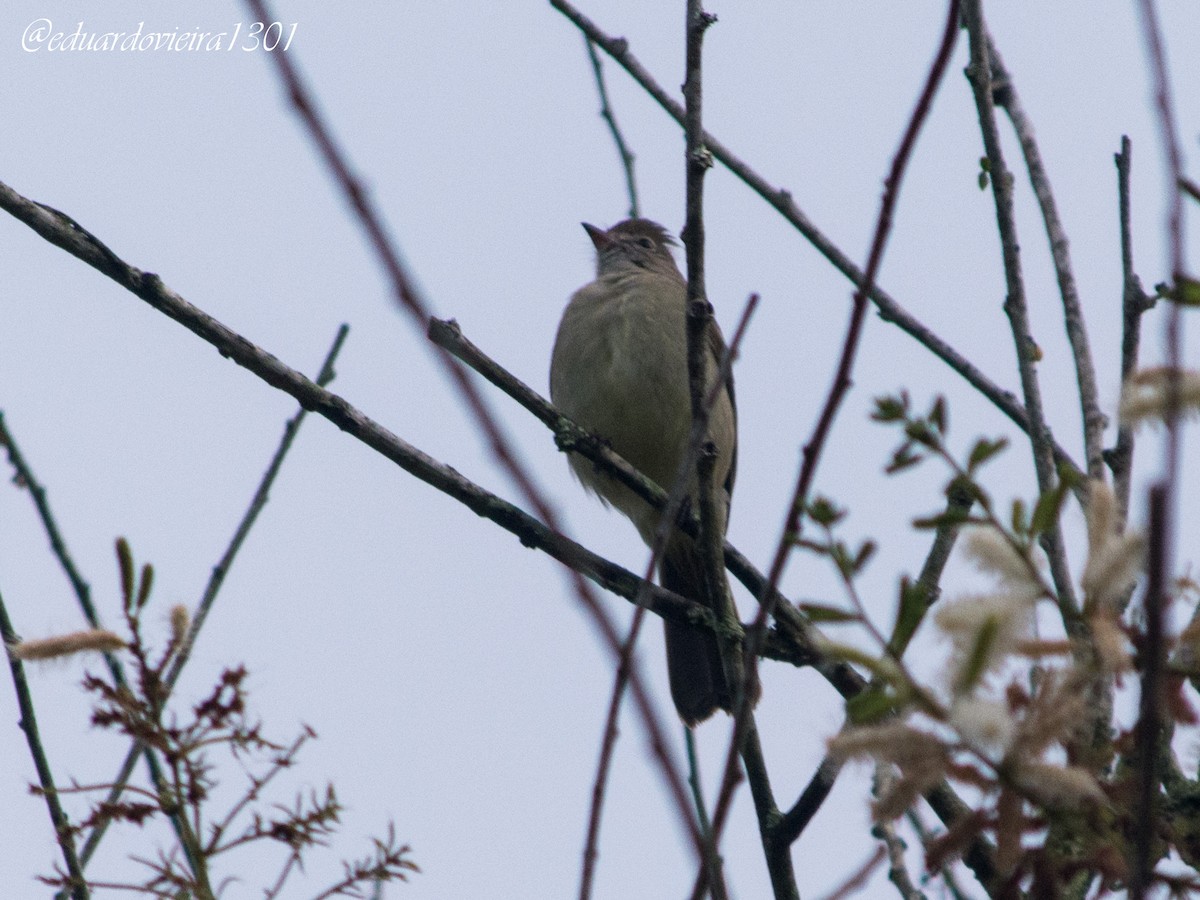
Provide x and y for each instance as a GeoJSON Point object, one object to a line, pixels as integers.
{"type": "Point", "coordinates": [928, 583]}
{"type": "Point", "coordinates": [610, 119]}
{"type": "Point", "coordinates": [780, 199]}
{"type": "Point", "coordinates": [1015, 307]}
{"type": "Point", "coordinates": [1150, 713]}
{"type": "Point", "coordinates": [898, 875]}
{"type": "Point", "coordinates": [958, 503]}
{"type": "Point", "coordinates": [600, 783]}
{"type": "Point", "coordinates": [28, 724]}
{"type": "Point", "coordinates": [83, 594]}
{"type": "Point", "coordinates": [1094, 420]}
{"type": "Point", "coordinates": [858, 878]}
{"type": "Point", "coordinates": [947, 874]}
{"type": "Point", "coordinates": [698, 323]}
{"type": "Point", "coordinates": [325, 375]}
{"type": "Point", "coordinates": [837, 391]}
{"type": "Point", "coordinates": [689, 740]}
{"type": "Point", "coordinates": [1162, 495]}
{"type": "Point", "coordinates": [699, 317]}
{"type": "Point", "coordinates": [1134, 302]}
{"type": "Point", "coordinates": [216, 579]}
{"type": "Point", "coordinates": [26, 477]}
{"type": "Point", "coordinates": [815, 793]}
{"type": "Point", "coordinates": [667, 520]}
{"type": "Point", "coordinates": [1169, 138]}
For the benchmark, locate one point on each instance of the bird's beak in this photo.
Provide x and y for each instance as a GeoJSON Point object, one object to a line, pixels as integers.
{"type": "Point", "coordinates": [599, 236]}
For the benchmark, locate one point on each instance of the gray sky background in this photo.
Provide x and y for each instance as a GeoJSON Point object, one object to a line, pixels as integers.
{"type": "Point", "coordinates": [455, 684]}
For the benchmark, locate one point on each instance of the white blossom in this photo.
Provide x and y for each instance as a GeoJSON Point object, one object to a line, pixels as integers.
{"type": "Point", "coordinates": [984, 630]}
{"type": "Point", "coordinates": [993, 553]}
{"type": "Point", "coordinates": [1148, 393]}
{"type": "Point", "coordinates": [985, 725]}
{"type": "Point", "coordinates": [1114, 560]}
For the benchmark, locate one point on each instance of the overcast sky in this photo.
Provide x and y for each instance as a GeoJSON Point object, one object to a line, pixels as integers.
{"type": "Point", "coordinates": [455, 683]}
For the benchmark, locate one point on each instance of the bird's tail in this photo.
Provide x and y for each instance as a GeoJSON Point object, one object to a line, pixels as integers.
{"type": "Point", "coordinates": [698, 683]}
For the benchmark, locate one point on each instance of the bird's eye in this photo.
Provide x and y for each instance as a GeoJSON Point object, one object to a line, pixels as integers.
{"type": "Point", "coordinates": [646, 243]}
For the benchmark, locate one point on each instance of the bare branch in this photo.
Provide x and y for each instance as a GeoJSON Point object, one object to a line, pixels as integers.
{"type": "Point", "coordinates": [1150, 722]}
{"type": "Point", "coordinates": [1094, 421]}
{"type": "Point", "coordinates": [698, 323]}
{"type": "Point", "coordinates": [1162, 495]}
{"type": "Point", "coordinates": [26, 478]}
{"type": "Point", "coordinates": [83, 596]}
{"type": "Point", "coordinates": [1134, 302]}
{"type": "Point", "coordinates": [898, 875]}
{"type": "Point", "coordinates": [1015, 307]}
{"type": "Point", "coordinates": [28, 724]}
{"type": "Point", "coordinates": [781, 201]}
{"type": "Point", "coordinates": [610, 119]}
{"type": "Point", "coordinates": [796, 819]}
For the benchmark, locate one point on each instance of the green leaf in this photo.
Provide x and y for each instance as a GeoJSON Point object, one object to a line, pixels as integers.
{"type": "Point", "coordinates": [865, 552]}
{"type": "Point", "coordinates": [977, 659]}
{"type": "Point", "coordinates": [1020, 517]}
{"type": "Point", "coordinates": [1186, 292]}
{"type": "Point", "coordinates": [919, 431]}
{"type": "Point", "coordinates": [890, 408]}
{"type": "Point", "coordinates": [872, 705]}
{"type": "Point", "coordinates": [983, 451]}
{"type": "Point", "coordinates": [841, 558]}
{"type": "Point", "coordinates": [1070, 477]}
{"type": "Point", "coordinates": [937, 415]}
{"type": "Point", "coordinates": [948, 517]}
{"type": "Point", "coordinates": [1045, 514]}
{"type": "Point", "coordinates": [825, 512]}
{"type": "Point", "coordinates": [903, 458]}
{"type": "Point", "coordinates": [913, 604]}
{"type": "Point", "coordinates": [969, 488]}
{"type": "Point", "coordinates": [821, 613]}
{"type": "Point", "coordinates": [144, 587]}
{"type": "Point", "coordinates": [125, 562]}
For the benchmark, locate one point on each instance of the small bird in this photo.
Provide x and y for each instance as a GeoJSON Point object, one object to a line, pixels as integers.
{"type": "Point", "coordinates": [619, 369]}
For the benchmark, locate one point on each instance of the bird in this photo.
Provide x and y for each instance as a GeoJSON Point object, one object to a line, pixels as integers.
{"type": "Point", "coordinates": [619, 370]}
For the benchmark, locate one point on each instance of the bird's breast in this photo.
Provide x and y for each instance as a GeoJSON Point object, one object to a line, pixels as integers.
{"type": "Point", "coordinates": [620, 370]}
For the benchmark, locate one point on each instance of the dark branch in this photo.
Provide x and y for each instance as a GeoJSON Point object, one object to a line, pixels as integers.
{"type": "Point", "coordinates": [28, 724]}
{"type": "Point", "coordinates": [781, 201]}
